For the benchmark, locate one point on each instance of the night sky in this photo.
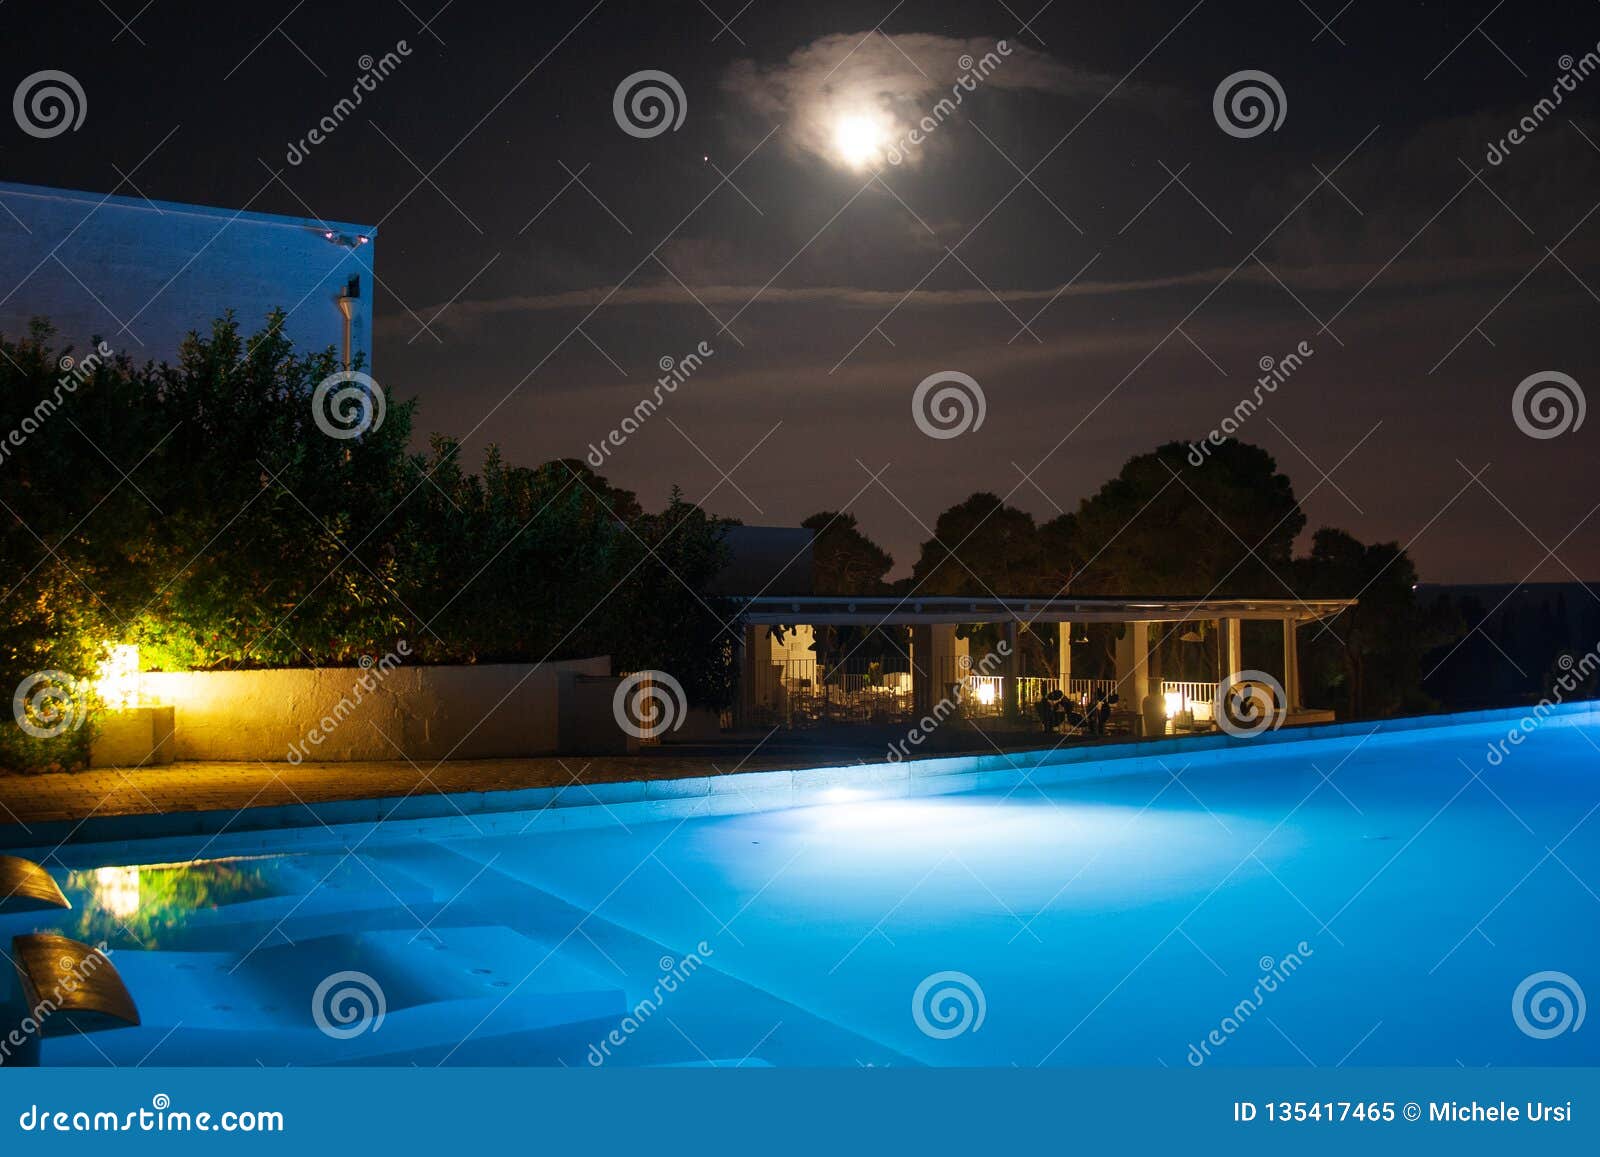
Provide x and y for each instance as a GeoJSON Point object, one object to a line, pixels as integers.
{"type": "Point", "coordinates": [558, 258]}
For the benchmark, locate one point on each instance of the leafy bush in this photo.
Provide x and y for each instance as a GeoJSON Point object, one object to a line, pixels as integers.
{"type": "Point", "coordinates": [197, 509]}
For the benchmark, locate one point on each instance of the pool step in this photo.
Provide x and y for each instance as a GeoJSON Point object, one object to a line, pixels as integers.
{"type": "Point", "coordinates": [721, 1014]}
{"type": "Point", "coordinates": [207, 1008]}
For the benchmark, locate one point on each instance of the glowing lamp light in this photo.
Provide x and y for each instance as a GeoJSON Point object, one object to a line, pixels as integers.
{"type": "Point", "coordinates": [1174, 701]}
{"type": "Point", "coordinates": [117, 680]}
{"type": "Point", "coordinates": [985, 693]}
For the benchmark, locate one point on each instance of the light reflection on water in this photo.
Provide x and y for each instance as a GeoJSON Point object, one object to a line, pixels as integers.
{"type": "Point", "coordinates": [143, 906]}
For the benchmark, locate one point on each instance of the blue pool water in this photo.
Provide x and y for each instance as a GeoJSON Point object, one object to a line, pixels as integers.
{"type": "Point", "coordinates": [1364, 901]}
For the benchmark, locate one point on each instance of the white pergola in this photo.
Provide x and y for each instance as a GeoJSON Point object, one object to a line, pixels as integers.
{"type": "Point", "coordinates": [933, 621]}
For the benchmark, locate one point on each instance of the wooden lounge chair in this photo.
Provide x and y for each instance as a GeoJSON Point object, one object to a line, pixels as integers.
{"type": "Point", "coordinates": [62, 988]}
{"type": "Point", "coordinates": [26, 887]}
{"type": "Point", "coordinates": [70, 986]}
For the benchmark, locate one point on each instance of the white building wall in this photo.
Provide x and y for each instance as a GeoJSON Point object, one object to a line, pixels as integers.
{"type": "Point", "coordinates": [143, 274]}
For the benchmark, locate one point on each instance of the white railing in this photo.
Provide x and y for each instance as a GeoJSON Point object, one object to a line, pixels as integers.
{"type": "Point", "coordinates": [1030, 689]}
{"type": "Point", "coordinates": [1089, 688]}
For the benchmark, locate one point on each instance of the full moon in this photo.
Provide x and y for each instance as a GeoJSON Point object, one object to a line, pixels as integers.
{"type": "Point", "coordinates": [859, 140]}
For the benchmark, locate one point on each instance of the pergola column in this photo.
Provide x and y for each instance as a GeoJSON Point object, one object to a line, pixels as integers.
{"type": "Point", "coordinates": [1291, 664]}
{"type": "Point", "coordinates": [1011, 668]}
{"type": "Point", "coordinates": [924, 670]}
{"type": "Point", "coordinates": [1064, 655]}
{"type": "Point", "coordinates": [1230, 651]}
{"type": "Point", "coordinates": [1133, 664]}
{"type": "Point", "coordinates": [754, 648]}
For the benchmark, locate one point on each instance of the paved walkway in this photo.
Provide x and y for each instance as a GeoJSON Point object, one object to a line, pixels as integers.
{"type": "Point", "coordinates": [203, 786]}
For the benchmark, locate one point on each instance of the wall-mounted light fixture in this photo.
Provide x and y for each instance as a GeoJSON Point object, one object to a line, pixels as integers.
{"type": "Point", "coordinates": [348, 240]}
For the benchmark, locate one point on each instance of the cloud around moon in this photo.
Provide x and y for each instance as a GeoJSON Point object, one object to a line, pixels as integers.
{"type": "Point", "coordinates": [893, 82]}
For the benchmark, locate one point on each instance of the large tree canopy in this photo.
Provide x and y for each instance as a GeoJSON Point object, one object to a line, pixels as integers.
{"type": "Point", "coordinates": [844, 560]}
{"type": "Point", "coordinates": [982, 546]}
{"type": "Point", "coordinates": [1164, 526]}
{"type": "Point", "coordinates": [1367, 660]}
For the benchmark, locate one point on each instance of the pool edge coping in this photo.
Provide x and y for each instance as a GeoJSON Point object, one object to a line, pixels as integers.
{"type": "Point", "coordinates": [623, 801]}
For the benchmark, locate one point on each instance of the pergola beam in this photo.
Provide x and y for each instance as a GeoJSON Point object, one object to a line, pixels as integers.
{"type": "Point", "coordinates": [887, 611]}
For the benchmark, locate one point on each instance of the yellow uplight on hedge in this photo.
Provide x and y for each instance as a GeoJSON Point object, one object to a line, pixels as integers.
{"type": "Point", "coordinates": [117, 680]}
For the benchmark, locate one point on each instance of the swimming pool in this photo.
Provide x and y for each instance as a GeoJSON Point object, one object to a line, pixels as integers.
{"type": "Point", "coordinates": [1369, 899]}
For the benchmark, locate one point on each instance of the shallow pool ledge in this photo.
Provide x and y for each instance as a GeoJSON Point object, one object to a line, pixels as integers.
{"type": "Point", "coordinates": [641, 801]}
